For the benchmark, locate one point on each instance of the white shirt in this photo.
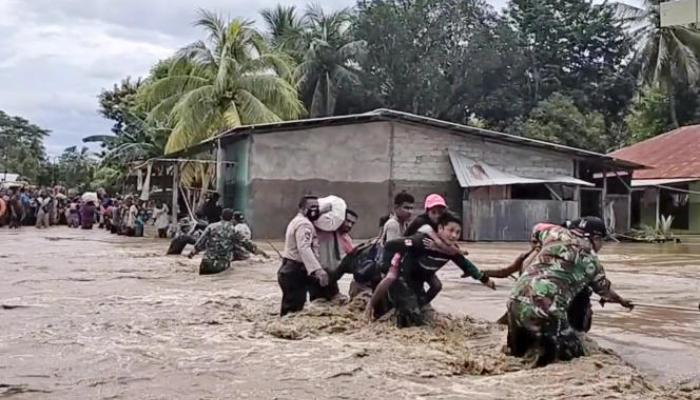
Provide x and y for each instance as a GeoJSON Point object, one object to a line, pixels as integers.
{"type": "Point", "coordinates": [161, 216]}
{"type": "Point", "coordinates": [131, 216]}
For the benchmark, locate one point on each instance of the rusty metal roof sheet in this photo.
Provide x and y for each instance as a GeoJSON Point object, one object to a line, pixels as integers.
{"type": "Point", "coordinates": [472, 173]}
{"type": "Point", "coordinates": [675, 154]}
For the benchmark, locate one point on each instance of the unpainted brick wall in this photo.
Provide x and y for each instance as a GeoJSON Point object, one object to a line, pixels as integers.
{"type": "Point", "coordinates": [420, 154]}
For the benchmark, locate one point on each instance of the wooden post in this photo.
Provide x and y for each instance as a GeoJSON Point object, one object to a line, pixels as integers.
{"type": "Point", "coordinates": [658, 207]}
{"type": "Point", "coordinates": [220, 155]}
{"type": "Point", "coordinates": [604, 194]}
{"type": "Point", "coordinates": [176, 187]}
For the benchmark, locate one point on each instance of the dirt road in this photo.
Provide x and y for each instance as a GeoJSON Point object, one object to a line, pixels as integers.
{"type": "Point", "coordinates": [88, 315]}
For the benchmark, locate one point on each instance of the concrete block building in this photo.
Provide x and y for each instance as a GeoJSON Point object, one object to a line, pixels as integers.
{"type": "Point", "coordinates": [501, 184]}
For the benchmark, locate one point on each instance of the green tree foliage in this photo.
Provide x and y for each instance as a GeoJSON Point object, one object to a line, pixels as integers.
{"type": "Point", "coordinates": [421, 54]}
{"type": "Point", "coordinates": [75, 169]}
{"type": "Point", "coordinates": [285, 29]}
{"type": "Point", "coordinates": [21, 146]}
{"type": "Point", "coordinates": [575, 48]}
{"type": "Point", "coordinates": [330, 61]}
{"type": "Point", "coordinates": [325, 51]}
{"type": "Point", "coordinates": [559, 120]}
{"type": "Point", "coordinates": [234, 78]}
{"type": "Point", "coordinates": [649, 115]}
{"type": "Point", "coordinates": [668, 55]}
{"type": "Point", "coordinates": [133, 138]}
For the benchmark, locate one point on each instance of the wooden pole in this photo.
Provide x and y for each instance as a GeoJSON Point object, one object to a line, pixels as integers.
{"type": "Point", "coordinates": [220, 171]}
{"type": "Point", "coordinates": [658, 207]}
{"type": "Point", "coordinates": [604, 194]}
{"type": "Point", "coordinates": [176, 185]}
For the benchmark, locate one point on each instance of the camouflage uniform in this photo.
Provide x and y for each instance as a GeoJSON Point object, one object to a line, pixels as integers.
{"type": "Point", "coordinates": [220, 240]}
{"type": "Point", "coordinates": [540, 299]}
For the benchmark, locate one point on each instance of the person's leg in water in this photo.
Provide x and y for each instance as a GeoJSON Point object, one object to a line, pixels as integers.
{"type": "Point", "coordinates": [520, 339]}
{"type": "Point", "coordinates": [213, 266]}
{"type": "Point", "coordinates": [406, 301]}
{"type": "Point", "coordinates": [559, 341]}
{"type": "Point", "coordinates": [293, 279]}
{"type": "Point", "coordinates": [434, 287]}
{"type": "Point", "coordinates": [328, 292]}
{"type": "Point", "coordinates": [580, 312]}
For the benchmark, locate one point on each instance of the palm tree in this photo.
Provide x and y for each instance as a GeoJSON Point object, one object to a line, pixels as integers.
{"type": "Point", "coordinates": [667, 55]}
{"type": "Point", "coordinates": [285, 30]}
{"type": "Point", "coordinates": [233, 79]}
{"type": "Point", "coordinates": [137, 141]}
{"type": "Point", "coordinates": [330, 61]}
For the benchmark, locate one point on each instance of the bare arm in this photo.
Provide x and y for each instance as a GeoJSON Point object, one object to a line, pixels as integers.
{"type": "Point", "coordinates": [201, 242]}
{"type": "Point", "coordinates": [382, 288]}
{"type": "Point", "coordinates": [514, 267]}
{"type": "Point", "coordinates": [603, 287]}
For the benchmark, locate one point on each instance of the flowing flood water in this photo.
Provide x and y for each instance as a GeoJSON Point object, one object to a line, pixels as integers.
{"type": "Point", "coordinates": [89, 315]}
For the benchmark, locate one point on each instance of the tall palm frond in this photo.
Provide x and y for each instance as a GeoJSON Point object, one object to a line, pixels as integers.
{"type": "Point", "coordinates": [330, 60]}
{"type": "Point", "coordinates": [667, 55]}
{"type": "Point", "coordinates": [230, 79]}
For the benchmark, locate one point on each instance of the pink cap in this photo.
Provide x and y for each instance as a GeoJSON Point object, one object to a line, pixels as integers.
{"type": "Point", "coordinates": [434, 200]}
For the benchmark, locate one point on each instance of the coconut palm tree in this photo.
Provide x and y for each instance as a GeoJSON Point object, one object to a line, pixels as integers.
{"type": "Point", "coordinates": [667, 55]}
{"type": "Point", "coordinates": [285, 29]}
{"type": "Point", "coordinates": [330, 61]}
{"type": "Point", "coordinates": [232, 79]}
{"type": "Point", "coordinates": [136, 141]}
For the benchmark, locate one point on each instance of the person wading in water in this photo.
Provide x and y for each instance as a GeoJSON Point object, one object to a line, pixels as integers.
{"type": "Point", "coordinates": [220, 239]}
{"type": "Point", "coordinates": [542, 296]}
{"type": "Point", "coordinates": [301, 271]}
{"type": "Point", "coordinates": [416, 266]}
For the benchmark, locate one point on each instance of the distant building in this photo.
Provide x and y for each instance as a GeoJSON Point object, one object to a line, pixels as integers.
{"type": "Point", "coordinates": [671, 184]}
{"type": "Point", "coordinates": [11, 181]}
{"type": "Point", "coordinates": [501, 184]}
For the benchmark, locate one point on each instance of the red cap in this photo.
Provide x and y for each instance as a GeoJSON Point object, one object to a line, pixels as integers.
{"type": "Point", "coordinates": [434, 200]}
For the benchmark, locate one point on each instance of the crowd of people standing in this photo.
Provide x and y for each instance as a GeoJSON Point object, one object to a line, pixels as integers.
{"type": "Point", "coordinates": [45, 207]}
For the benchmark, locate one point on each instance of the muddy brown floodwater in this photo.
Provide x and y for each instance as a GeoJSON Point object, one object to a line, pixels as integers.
{"type": "Point", "coordinates": [88, 315]}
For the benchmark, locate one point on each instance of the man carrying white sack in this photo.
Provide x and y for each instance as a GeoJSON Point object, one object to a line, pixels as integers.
{"type": "Point", "coordinates": [333, 229]}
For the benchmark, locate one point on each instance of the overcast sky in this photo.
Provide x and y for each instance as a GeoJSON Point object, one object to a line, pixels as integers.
{"type": "Point", "coordinates": [56, 55]}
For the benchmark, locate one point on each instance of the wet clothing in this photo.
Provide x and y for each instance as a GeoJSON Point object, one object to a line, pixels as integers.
{"type": "Point", "coordinates": [244, 230]}
{"type": "Point", "coordinates": [161, 220]}
{"type": "Point", "coordinates": [295, 282]}
{"type": "Point", "coordinates": [417, 267]}
{"type": "Point", "coordinates": [211, 211]}
{"type": "Point", "coordinates": [301, 243]}
{"type": "Point", "coordinates": [87, 215]}
{"type": "Point", "coordinates": [219, 240]}
{"type": "Point", "coordinates": [541, 298]}
{"type": "Point", "coordinates": [300, 261]}
{"type": "Point", "coordinates": [43, 212]}
{"type": "Point", "coordinates": [418, 222]}
{"type": "Point", "coordinates": [15, 211]}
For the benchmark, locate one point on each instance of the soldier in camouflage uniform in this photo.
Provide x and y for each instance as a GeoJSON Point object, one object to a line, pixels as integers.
{"type": "Point", "coordinates": [221, 241]}
{"type": "Point", "coordinates": [566, 265]}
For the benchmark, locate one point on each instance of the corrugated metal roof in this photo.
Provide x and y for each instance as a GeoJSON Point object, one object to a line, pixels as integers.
{"type": "Point", "coordinates": [675, 154]}
{"type": "Point", "coordinates": [654, 182]}
{"type": "Point", "coordinates": [383, 114]}
{"type": "Point", "coordinates": [472, 173]}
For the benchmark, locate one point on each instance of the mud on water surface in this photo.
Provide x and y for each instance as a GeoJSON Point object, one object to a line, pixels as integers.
{"type": "Point", "coordinates": [90, 315]}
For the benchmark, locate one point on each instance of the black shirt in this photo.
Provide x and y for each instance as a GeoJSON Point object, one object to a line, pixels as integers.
{"type": "Point", "coordinates": [417, 222]}
{"type": "Point", "coordinates": [420, 263]}
{"type": "Point", "coordinates": [211, 212]}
